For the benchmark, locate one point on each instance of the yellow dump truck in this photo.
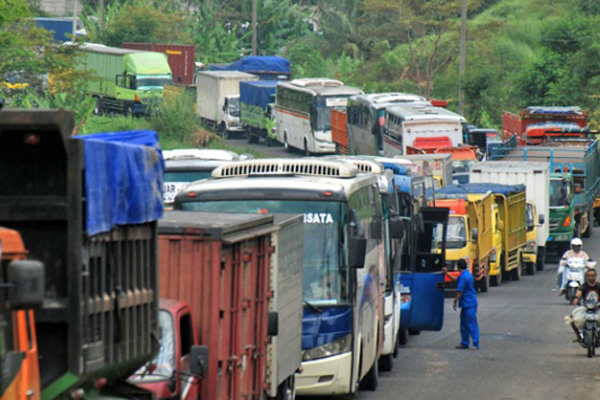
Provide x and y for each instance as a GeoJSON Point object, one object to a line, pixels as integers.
{"type": "Point", "coordinates": [469, 234]}
{"type": "Point", "coordinates": [508, 226]}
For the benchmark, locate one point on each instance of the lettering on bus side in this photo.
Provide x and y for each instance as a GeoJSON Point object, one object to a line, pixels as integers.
{"type": "Point", "coordinates": [318, 218]}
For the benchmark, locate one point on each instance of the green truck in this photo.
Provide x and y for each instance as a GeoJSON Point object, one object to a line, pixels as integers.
{"type": "Point", "coordinates": [256, 103]}
{"type": "Point", "coordinates": [125, 81]}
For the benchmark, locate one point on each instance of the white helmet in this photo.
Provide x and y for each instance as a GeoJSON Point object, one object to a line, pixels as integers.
{"type": "Point", "coordinates": [576, 242]}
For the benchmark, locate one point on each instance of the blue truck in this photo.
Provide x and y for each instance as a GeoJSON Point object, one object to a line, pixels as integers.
{"type": "Point", "coordinates": [267, 68]}
{"type": "Point", "coordinates": [62, 28]}
{"type": "Point", "coordinates": [574, 183]}
{"type": "Point", "coordinates": [256, 110]}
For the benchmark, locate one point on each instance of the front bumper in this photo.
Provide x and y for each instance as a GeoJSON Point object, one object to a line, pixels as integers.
{"type": "Point", "coordinates": [324, 147]}
{"type": "Point", "coordinates": [326, 376]}
{"type": "Point", "coordinates": [530, 257]}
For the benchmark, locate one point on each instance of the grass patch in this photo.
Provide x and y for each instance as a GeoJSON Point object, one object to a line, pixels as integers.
{"type": "Point", "coordinates": [113, 123]}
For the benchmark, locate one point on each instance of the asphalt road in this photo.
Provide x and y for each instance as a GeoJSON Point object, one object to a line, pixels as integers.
{"type": "Point", "coordinates": [526, 350]}
{"type": "Point", "coordinates": [269, 151]}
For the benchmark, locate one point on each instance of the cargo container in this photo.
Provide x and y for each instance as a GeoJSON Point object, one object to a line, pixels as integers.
{"type": "Point", "coordinates": [97, 324]}
{"type": "Point", "coordinates": [266, 68]}
{"type": "Point", "coordinates": [218, 98]}
{"type": "Point", "coordinates": [62, 28]}
{"type": "Point", "coordinates": [225, 266]}
{"type": "Point", "coordinates": [181, 59]}
{"type": "Point", "coordinates": [536, 178]}
{"type": "Point", "coordinates": [339, 131]}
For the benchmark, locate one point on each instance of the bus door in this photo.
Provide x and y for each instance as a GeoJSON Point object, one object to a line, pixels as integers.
{"type": "Point", "coordinates": [428, 257]}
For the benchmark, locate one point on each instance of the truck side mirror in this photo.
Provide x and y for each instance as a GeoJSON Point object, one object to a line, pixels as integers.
{"type": "Point", "coordinates": [199, 360]}
{"type": "Point", "coordinates": [396, 228]}
{"type": "Point", "coordinates": [357, 251]}
{"type": "Point", "coordinates": [376, 226]}
{"type": "Point", "coordinates": [27, 276]}
{"type": "Point", "coordinates": [475, 234]}
{"type": "Point", "coordinates": [273, 325]}
{"type": "Point", "coordinates": [541, 219]}
{"type": "Point", "coordinates": [419, 223]}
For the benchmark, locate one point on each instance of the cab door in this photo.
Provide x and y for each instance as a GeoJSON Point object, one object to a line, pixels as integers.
{"type": "Point", "coordinates": [428, 257]}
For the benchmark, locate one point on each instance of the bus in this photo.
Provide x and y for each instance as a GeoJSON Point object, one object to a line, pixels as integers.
{"type": "Point", "coordinates": [303, 108]}
{"type": "Point", "coordinates": [366, 119]}
{"type": "Point", "coordinates": [343, 233]}
{"type": "Point", "coordinates": [418, 128]}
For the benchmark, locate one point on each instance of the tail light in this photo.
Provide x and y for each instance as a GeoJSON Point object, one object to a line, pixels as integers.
{"type": "Point", "coordinates": [567, 221]}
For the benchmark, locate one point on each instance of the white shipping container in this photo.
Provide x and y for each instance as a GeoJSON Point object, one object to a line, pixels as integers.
{"type": "Point", "coordinates": [212, 87]}
{"type": "Point", "coordinates": [534, 175]}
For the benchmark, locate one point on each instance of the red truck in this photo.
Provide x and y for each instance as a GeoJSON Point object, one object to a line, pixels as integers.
{"type": "Point", "coordinates": [182, 59]}
{"type": "Point", "coordinates": [533, 124]}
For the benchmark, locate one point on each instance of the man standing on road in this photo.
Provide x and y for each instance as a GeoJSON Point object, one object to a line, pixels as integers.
{"type": "Point", "coordinates": [467, 301]}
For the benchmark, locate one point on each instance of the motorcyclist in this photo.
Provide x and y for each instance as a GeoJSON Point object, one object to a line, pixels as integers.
{"type": "Point", "coordinates": [578, 314]}
{"type": "Point", "coordinates": [576, 251]}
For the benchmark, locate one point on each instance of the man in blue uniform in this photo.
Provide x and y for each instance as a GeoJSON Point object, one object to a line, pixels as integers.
{"type": "Point", "coordinates": [467, 301]}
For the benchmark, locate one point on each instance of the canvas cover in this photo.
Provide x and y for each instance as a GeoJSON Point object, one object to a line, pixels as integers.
{"type": "Point", "coordinates": [258, 93]}
{"type": "Point", "coordinates": [256, 64]}
{"type": "Point", "coordinates": [482, 188]}
{"type": "Point", "coordinates": [146, 63]}
{"type": "Point", "coordinates": [124, 174]}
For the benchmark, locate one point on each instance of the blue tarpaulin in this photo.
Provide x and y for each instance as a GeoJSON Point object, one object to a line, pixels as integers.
{"type": "Point", "coordinates": [482, 188]}
{"type": "Point", "coordinates": [258, 93]}
{"type": "Point", "coordinates": [257, 65]}
{"type": "Point", "coordinates": [124, 174]}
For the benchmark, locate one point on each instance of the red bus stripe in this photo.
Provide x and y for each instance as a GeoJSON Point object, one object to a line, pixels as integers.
{"type": "Point", "coordinates": [292, 113]}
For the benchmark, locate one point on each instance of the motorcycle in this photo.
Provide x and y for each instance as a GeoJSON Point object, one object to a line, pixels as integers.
{"type": "Point", "coordinates": [590, 334]}
{"type": "Point", "coordinates": [574, 274]}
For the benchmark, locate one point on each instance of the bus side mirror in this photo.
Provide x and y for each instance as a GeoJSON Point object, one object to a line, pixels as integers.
{"type": "Point", "coordinates": [541, 219]}
{"type": "Point", "coordinates": [199, 360]}
{"type": "Point", "coordinates": [396, 228]}
{"type": "Point", "coordinates": [376, 226]}
{"type": "Point", "coordinates": [27, 278]}
{"type": "Point", "coordinates": [273, 324]}
{"type": "Point", "coordinates": [357, 251]}
{"type": "Point", "coordinates": [475, 234]}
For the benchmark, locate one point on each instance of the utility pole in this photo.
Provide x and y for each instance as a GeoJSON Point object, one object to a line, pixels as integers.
{"type": "Point", "coordinates": [102, 20]}
{"type": "Point", "coordinates": [254, 27]}
{"type": "Point", "coordinates": [74, 19]}
{"type": "Point", "coordinates": [463, 56]}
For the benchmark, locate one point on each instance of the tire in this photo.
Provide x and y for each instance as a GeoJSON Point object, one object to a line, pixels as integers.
{"type": "Point", "coordinates": [386, 363]}
{"type": "Point", "coordinates": [530, 268]}
{"type": "Point", "coordinates": [496, 280]}
{"type": "Point", "coordinates": [250, 136]}
{"type": "Point", "coordinates": [516, 273]}
{"type": "Point", "coordinates": [371, 379]}
{"type": "Point", "coordinates": [414, 332]}
{"type": "Point", "coordinates": [484, 283]}
{"type": "Point", "coordinates": [588, 338]}
{"type": "Point", "coordinates": [286, 145]}
{"type": "Point", "coordinates": [397, 344]}
{"type": "Point", "coordinates": [541, 259]}
{"type": "Point", "coordinates": [222, 130]}
{"type": "Point", "coordinates": [306, 151]}
{"type": "Point", "coordinates": [98, 106]}
{"type": "Point", "coordinates": [570, 293]}
{"type": "Point", "coordinates": [597, 215]}
{"type": "Point", "coordinates": [403, 336]}
{"type": "Point", "coordinates": [287, 389]}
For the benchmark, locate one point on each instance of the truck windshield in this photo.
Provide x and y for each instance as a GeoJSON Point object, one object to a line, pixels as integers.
{"type": "Point", "coordinates": [149, 81]}
{"type": "Point", "coordinates": [529, 217]}
{"type": "Point", "coordinates": [560, 193]}
{"type": "Point", "coordinates": [165, 359]}
{"type": "Point", "coordinates": [456, 236]}
{"type": "Point", "coordinates": [321, 115]}
{"type": "Point", "coordinates": [234, 107]}
{"type": "Point", "coordinates": [325, 270]}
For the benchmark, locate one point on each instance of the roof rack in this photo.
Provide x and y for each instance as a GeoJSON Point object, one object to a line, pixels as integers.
{"type": "Point", "coordinates": [304, 82]}
{"type": "Point", "coordinates": [283, 166]}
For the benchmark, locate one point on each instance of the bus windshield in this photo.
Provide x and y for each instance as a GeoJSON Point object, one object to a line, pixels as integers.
{"type": "Point", "coordinates": [560, 193]}
{"type": "Point", "coordinates": [325, 270]}
{"type": "Point", "coordinates": [321, 118]}
{"type": "Point", "coordinates": [456, 236]}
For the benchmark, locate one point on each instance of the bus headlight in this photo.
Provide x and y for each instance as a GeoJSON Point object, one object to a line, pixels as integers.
{"type": "Point", "coordinates": [338, 346]}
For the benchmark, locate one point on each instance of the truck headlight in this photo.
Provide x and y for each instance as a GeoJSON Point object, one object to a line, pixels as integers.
{"type": "Point", "coordinates": [338, 346]}
{"type": "Point", "coordinates": [562, 238]}
{"type": "Point", "coordinates": [530, 246]}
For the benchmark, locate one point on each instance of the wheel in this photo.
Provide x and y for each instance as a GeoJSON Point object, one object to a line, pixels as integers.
{"type": "Point", "coordinates": [597, 215]}
{"type": "Point", "coordinates": [496, 280]}
{"type": "Point", "coordinates": [286, 145]}
{"type": "Point", "coordinates": [128, 111]}
{"type": "Point", "coordinates": [98, 106]}
{"type": "Point", "coordinates": [570, 293]}
{"type": "Point", "coordinates": [414, 331]}
{"type": "Point", "coordinates": [306, 151]}
{"type": "Point", "coordinates": [403, 336]}
{"type": "Point", "coordinates": [371, 379]}
{"type": "Point", "coordinates": [287, 389]}
{"type": "Point", "coordinates": [530, 267]}
{"type": "Point", "coordinates": [397, 344]}
{"type": "Point", "coordinates": [222, 130]}
{"type": "Point", "coordinates": [386, 363]}
{"type": "Point", "coordinates": [541, 259]}
{"type": "Point", "coordinates": [484, 283]}
{"type": "Point", "coordinates": [516, 273]}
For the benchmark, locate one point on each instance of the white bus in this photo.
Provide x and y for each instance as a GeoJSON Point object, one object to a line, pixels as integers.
{"type": "Point", "coordinates": [418, 128]}
{"type": "Point", "coordinates": [343, 240]}
{"type": "Point", "coordinates": [304, 112]}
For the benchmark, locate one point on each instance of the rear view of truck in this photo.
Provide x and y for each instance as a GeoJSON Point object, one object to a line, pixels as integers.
{"type": "Point", "coordinates": [87, 209]}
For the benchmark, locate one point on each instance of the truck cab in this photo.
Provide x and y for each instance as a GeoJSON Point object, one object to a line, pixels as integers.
{"type": "Point", "coordinates": [562, 212]}
{"type": "Point", "coordinates": [231, 115]}
{"type": "Point", "coordinates": [530, 250]}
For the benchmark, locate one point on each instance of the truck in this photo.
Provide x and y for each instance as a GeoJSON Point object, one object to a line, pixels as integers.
{"type": "Point", "coordinates": [218, 99]}
{"type": "Point", "coordinates": [181, 58]}
{"type": "Point", "coordinates": [97, 323]}
{"type": "Point", "coordinates": [62, 28]}
{"type": "Point", "coordinates": [437, 165]}
{"type": "Point", "coordinates": [509, 226]}
{"type": "Point", "coordinates": [574, 184]}
{"type": "Point", "coordinates": [124, 81]}
{"type": "Point", "coordinates": [257, 107]}
{"type": "Point", "coordinates": [469, 235]}
{"type": "Point", "coordinates": [536, 178]}
{"type": "Point", "coordinates": [532, 124]}
{"type": "Point", "coordinates": [239, 274]}
{"type": "Point", "coordinates": [463, 157]}
{"type": "Point", "coordinates": [269, 68]}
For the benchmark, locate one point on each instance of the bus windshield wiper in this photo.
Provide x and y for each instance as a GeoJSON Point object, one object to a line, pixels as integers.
{"type": "Point", "coordinates": [313, 307]}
